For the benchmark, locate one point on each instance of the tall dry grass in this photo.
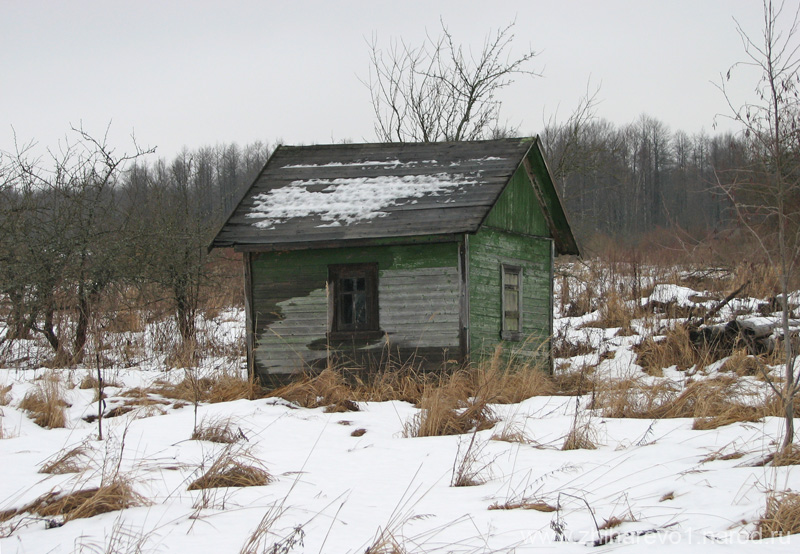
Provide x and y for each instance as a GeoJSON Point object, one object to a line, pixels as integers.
{"type": "Point", "coordinates": [711, 402]}
{"type": "Point", "coordinates": [781, 517]}
{"type": "Point", "coordinates": [45, 402]}
{"type": "Point", "coordinates": [113, 495]}
{"type": "Point", "coordinates": [234, 466]}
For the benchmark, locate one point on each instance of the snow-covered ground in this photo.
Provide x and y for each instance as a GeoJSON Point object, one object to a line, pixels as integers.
{"type": "Point", "coordinates": [335, 490]}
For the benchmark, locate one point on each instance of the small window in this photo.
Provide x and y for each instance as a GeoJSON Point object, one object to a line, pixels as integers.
{"type": "Point", "coordinates": [353, 291]}
{"type": "Point", "coordinates": [512, 302]}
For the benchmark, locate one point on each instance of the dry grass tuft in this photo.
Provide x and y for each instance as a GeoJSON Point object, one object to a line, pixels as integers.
{"type": "Point", "coordinates": [264, 540]}
{"type": "Point", "coordinates": [718, 455]}
{"type": "Point", "coordinates": [741, 363]}
{"type": "Point", "coordinates": [468, 467]}
{"type": "Point", "coordinates": [581, 436]}
{"type": "Point", "coordinates": [614, 521]}
{"type": "Point", "coordinates": [614, 312]}
{"type": "Point", "coordinates": [5, 396]}
{"type": "Point", "coordinates": [327, 389]}
{"type": "Point", "coordinates": [220, 430]}
{"type": "Point", "coordinates": [675, 349]}
{"type": "Point", "coordinates": [631, 397]}
{"type": "Point", "coordinates": [788, 457]}
{"type": "Point", "coordinates": [225, 387]}
{"type": "Point", "coordinates": [45, 403]}
{"type": "Point", "coordinates": [565, 348]}
{"type": "Point", "coordinates": [73, 460]}
{"type": "Point", "coordinates": [575, 382]}
{"type": "Point", "coordinates": [524, 504]}
{"type": "Point", "coordinates": [667, 496]}
{"type": "Point", "coordinates": [712, 402]}
{"type": "Point", "coordinates": [448, 409]}
{"type": "Point", "coordinates": [404, 383]}
{"type": "Point", "coordinates": [782, 516]}
{"type": "Point", "coordinates": [510, 382]}
{"type": "Point", "coordinates": [233, 468]}
{"type": "Point", "coordinates": [118, 494]}
{"type": "Point", "coordinates": [511, 432]}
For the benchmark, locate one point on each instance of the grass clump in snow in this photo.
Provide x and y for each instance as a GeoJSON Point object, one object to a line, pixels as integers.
{"type": "Point", "coordinates": [71, 460]}
{"type": "Point", "coordinates": [264, 540]}
{"type": "Point", "coordinates": [524, 504]}
{"type": "Point", "coordinates": [468, 467]}
{"type": "Point", "coordinates": [5, 395]}
{"type": "Point", "coordinates": [233, 467]}
{"type": "Point", "coordinates": [45, 403]}
{"type": "Point", "coordinates": [675, 349]}
{"type": "Point", "coordinates": [328, 389]}
{"type": "Point", "coordinates": [509, 381]}
{"type": "Point", "coordinates": [581, 436]}
{"type": "Point", "coordinates": [225, 387]}
{"type": "Point", "coordinates": [448, 409]}
{"type": "Point", "coordinates": [711, 402]}
{"type": "Point", "coordinates": [614, 312]}
{"type": "Point", "coordinates": [117, 494]}
{"type": "Point", "coordinates": [790, 456]}
{"type": "Point", "coordinates": [219, 430]}
{"type": "Point", "coordinates": [782, 516]}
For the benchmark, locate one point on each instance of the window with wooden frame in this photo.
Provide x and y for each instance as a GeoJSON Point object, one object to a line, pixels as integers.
{"type": "Point", "coordinates": [511, 302]}
{"type": "Point", "coordinates": [353, 301]}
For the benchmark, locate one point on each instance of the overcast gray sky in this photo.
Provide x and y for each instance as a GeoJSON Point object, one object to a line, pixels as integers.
{"type": "Point", "coordinates": [201, 72]}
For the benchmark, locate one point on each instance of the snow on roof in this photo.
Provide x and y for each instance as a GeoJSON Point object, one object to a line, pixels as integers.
{"type": "Point", "coordinates": [345, 201]}
{"type": "Point", "coordinates": [395, 163]}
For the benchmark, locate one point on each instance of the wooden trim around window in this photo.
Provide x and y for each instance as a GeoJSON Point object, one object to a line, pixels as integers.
{"type": "Point", "coordinates": [371, 330]}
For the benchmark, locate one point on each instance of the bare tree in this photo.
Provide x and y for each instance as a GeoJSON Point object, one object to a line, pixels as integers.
{"type": "Point", "coordinates": [767, 196]}
{"type": "Point", "coordinates": [440, 92]}
{"type": "Point", "coordinates": [62, 237]}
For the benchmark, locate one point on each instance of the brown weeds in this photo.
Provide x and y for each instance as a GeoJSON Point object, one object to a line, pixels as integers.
{"type": "Point", "coordinates": [782, 516]}
{"type": "Point", "coordinates": [327, 389]}
{"type": "Point", "coordinates": [225, 387]}
{"type": "Point", "coordinates": [524, 504]}
{"type": "Point", "coordinates": [675, 349]}
{"type": "Point", "coordinates": [741, 363]}
{"type": "Point", "coordinates": [5, 396]}
{"type": "Point", "coordinates": [711, 402]}
{"type": "Point", "coordinates": [448, 409]}
{"type": "Point", "coordinates": [73, 460]}
{"type": "Point", "coordinates": [220, 430]}
{"type": "Point", "coordinates": [787, 457]}
{"type": "Point", "coordinates": [45, 403]}
{"type": "Point", "coordinates": [614, 312]}
{"type": "Point", "coordinates": [233, 468]}
{"type": "Point", "coordinates": [581, 436]}
{"type": "Point", "coordinates": [118, 494]}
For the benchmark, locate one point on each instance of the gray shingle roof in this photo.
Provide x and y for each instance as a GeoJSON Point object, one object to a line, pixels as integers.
{"type": "Point", "coordinates": [366, 191]}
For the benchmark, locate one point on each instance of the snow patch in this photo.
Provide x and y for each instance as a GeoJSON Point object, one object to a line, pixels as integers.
{"type": "Point", "coordinates": [345, 201]}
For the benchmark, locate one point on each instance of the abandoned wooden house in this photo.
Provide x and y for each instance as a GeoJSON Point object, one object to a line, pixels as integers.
{"type": "Point", "coordinates": [435, 252]}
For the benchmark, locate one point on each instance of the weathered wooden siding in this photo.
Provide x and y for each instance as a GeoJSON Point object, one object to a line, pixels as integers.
{"type": "Point", "coordinates": [489, 249]}
{"type": "Point", "coordinates": [418, 299]}
{"type": "Point", "coordinates": [517, 210]}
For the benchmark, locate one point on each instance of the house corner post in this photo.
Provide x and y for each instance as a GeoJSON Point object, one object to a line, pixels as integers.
{"type": "Point", "coordinates": [248, 310]}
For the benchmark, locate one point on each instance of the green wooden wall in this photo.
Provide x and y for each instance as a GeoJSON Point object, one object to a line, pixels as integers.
{"type": "Point", "coordinates": [488, 250]}
{"type": "Point", "coordinates": [516, 233]}
{"type": "Point", "coordinates": [517, 210]}
{"type": "Point", "coordinates": [418, 299]}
